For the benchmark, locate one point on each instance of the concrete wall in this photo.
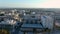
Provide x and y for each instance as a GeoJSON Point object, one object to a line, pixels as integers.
{"type": "Point", "coordinates": [47, 21]}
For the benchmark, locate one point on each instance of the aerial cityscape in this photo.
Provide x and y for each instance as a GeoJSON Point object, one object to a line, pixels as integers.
{"type": "Point", "coordinates": [29, 16]}
{"type": "Point", "coordinates": [29, 21]}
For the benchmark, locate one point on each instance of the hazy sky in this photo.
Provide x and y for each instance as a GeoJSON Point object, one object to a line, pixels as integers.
{"type": "Point", "coordinates": [30, 3]}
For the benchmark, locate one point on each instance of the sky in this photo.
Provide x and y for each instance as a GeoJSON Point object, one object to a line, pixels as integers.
{"type": "Point", "coordinates": [30, 3]}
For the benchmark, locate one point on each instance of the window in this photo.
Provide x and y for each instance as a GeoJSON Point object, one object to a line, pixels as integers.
{"type": "Point", "coordinates": [33, 16]}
